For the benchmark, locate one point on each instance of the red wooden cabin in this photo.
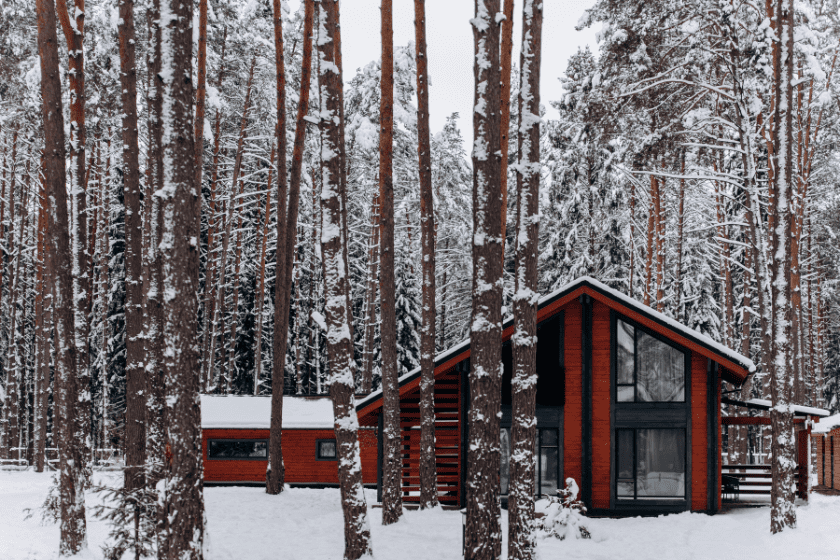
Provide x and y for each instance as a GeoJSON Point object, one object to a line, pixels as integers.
{"type": "Point", "coordinates": [628, 404]}
{"type": "Point", "coordinates": [235, 434]}
{"type": "Point", "coordinates": [826, 443]}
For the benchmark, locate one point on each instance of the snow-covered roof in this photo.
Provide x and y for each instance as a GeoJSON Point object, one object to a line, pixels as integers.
{"type": "Point", "coordinates": [825, 425]}
{"type": "Point", "coordinates": [242, 412]}
{"type": "Point", "coordinates": [627, 301]}
{"type": "Point", "coordinates": [798, 409]}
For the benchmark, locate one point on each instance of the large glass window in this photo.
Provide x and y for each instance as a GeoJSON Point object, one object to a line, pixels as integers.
{"type": "Point", "coordinates": [237, 449]}
{"type": "Point", "coordinates": [547, 468]}
{"type": "Point", "coordinates": [650, 464]}
{"type": "Point", "coordinates": [647, 369]}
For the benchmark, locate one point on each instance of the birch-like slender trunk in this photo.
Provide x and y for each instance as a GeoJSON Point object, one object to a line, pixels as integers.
{"type": "Point", "coordinates": [428, 470]}
{"type": "Point", "coordinates": [357, 542]}
{"type": "Point", "coordinates": [41, 362]}
{"type": "Point", "coordinates": [71, 448]}
{"type": "Point", "coordinates": [371, 293]}
{"type": "Point", "coordinates": [526, 296]}
{"type": "Point", "coordinates": [260, 295]}
{"type": "Point", "coordinates": [483, 529]}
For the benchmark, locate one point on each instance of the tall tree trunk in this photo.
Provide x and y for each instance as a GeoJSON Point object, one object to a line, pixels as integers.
{"type": "Point", "coordinates": [678, 296]}
{"type": "Point", "coordinates": [504, 126]}
{"type": "Point", "coordinates": [12, 380]}
{"type": "Point", "coordinates": [228, 361]}
{"type": "Point", "coordinates": [200, 92]}
{"type": "Point", "coordinates": [183, 504]}
{"type": "Point", "coordinates": [483, 529]}
{"type": "Point", "coordinates": [260, 295]}
{"type": "Point", "coordinates": [371, 298]}
{"type": "Point", "coordinates": [336, 285]}
{"type": "Point", "coordinates": [651, 231]}
{"type": "Point", "coordinates": [41, 362]}
{"type": "Point", "coordinates": [526, 298]}
{"type": "Point", "coordinates": [428, 472]}
{"type": "Point", "coordinates": [209, 331]}
{"type": "Point", "coordinates": [74, 34]}
{"type": "Point", "coordinates": [71, 450]}
{"type": "Point", "coordinates": [286, 231]}
{"type": "Point", "coordinates": [782, 512]}
{"type": "Point", "coordinates": [135, 433]}
{"type": "Point", "coordinates": [660, 246]}
{"type": "Point", "coordinates": [391, 433]}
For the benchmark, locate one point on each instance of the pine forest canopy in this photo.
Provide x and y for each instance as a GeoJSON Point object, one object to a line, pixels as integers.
{"type": "Point", "coordinates": [688, 160]}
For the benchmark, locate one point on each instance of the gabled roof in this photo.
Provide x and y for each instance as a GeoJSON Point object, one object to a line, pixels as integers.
{"type": "Point", "coordinates": [736, 367]}
{"type": "Point", "coordinates": [242, 412]}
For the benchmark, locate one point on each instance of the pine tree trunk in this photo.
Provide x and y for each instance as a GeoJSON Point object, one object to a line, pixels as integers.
{"type": "Point", "coordinates": [504, 127]}
{"type": "Point", "coordinates": [660, 246]}
{"type": "Point", "coordinates": [12, 380]}
{"type": "Point", "coordinates": [200, 92]}
{"type": "Point", "coordinates": [71, 449]}
{"type": "Point", "coordinates": [260, 295]}
{"type": "Point", "coordinates": [651, 230]}
{"type": "Point", "coordinates": [41, 361]}
{"type": "Point", "coordinates": [391, 433]}
{"type": "Point", "coordinates": [209, 331]}
{"type": "Point", "coordinates": [336, 285]}
{"type": "Point", "coordinates": [286, 232]}
{"type": "Point", "coordinates": [74, 35]}
{"type": "Point", "coordinates": [678, 296]}
{"type": "Point", "coordinates": [428, 471]}
{"type": "Point", "coordinates": [229, 362]}
{"type": "Point", "coordinates": [371, 299]}
{"type": "Point", "coordinates": [483, 529]}
{"type": "Point", "coordinates": [783, 513]}
{"type": "Point", "coordinates": [183, 504]}
{"type": "Point", "coordinates": [525, 300]}
{"type": "Point", "coordinates": [135, 433]}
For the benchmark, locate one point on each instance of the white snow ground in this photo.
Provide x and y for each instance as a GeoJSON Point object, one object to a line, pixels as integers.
{"type": "Point", "coordinates": [306, 524]}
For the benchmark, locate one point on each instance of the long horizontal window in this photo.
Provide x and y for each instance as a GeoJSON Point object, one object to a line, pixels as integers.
{"type": "Point", "coordinates": [237, 449]}
{"type": "Point", "coordinates": [647, 369]}
{"type": "Point", "coordinates": [650, 464]}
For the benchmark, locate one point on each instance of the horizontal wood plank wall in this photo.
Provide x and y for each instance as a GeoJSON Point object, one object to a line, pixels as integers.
{"type": "Point", "coordinates": [447, 440]}
{"type": "Point", "coordinates": [299, 457]}
{"type": "Point", "coordinates": [600, 405]}
{"type": "Point", "coordinates": [699, 433]}
{"type": "Point", "coordinates": [573, 407]}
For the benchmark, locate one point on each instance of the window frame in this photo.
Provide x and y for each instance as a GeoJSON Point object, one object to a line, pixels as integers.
{"type": "Point", "coordinates": [537, 458]}
{"type": "Point", "coordinates": [318, 456]}
{"type": "Point", "coordinates": [645, 414]}
{"type": "Point", "coordinates": [656, 336]}
{"type": "Point", "coordinates": [661, 499]}
{"type": "Point", "coordinates": [250, 440]}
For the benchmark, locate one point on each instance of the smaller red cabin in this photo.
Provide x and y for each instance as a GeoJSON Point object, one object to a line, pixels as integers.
{"type": "Point", "coordinates": [235, 434]}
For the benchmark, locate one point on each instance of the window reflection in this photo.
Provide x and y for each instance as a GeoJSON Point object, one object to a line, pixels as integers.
{"type": "Point", "coordinates": [547, 465]}
{"type": "Point", "coordinates": [647, 369]}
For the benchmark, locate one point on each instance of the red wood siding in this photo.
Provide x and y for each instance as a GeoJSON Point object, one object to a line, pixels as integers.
{"type": "Point", "coordinates": [299, 457]}
{"type": "Point", "coordinates": [573, 408]}
{"type": "Point", "coordinates": [699, 434]}
{"type": "Point", "coordinates": [601, 406]}
{"type": "Point", "coordinates": [447, 440]}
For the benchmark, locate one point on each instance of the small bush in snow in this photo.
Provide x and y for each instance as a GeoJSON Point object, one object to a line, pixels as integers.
{"type": "Point", "coordinates": [563, 514]}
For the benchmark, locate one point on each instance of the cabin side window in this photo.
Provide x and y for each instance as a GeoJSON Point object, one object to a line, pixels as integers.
{"type": "Point", "coordinates": [546, 467]}
{"type": "Point", "coordinates": [326, 450]}
{"type": "Point", "coordinates": [648, 369]}
{"type": "Point", "coordinates": [237, 449]}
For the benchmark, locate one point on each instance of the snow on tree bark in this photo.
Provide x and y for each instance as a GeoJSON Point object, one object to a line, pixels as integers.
{"type": "Point", "coordinates": [183, 501]}
{"type": "Point", "coordinates": [428, 471]}
{"type": "Point", "coordinates": [286, 231]}
{"type": "Point", "coordinates": [71, 449]}
{"type": "Point", "coordinates": [483, 529]}
{"type": "Point", "coordinates": [506, 56]}
{"type": "Point", "coordinates": [782, 513]}
{"type": "Point", "coordinates": [135, 433]}
{"type": "Point", "coordinates": [391, 433]}
{"type": "Point", "coordinates": [526, 296]}
{"type": "Point", "coordinates": [357, 542]}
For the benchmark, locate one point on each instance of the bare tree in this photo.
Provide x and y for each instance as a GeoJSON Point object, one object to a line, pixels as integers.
{"type": "Point", "coordinates": [526, 296]}
{"type": "Point", "coordinates": [428, 471]}
{"type": "Point", "coordinates": [336, 285]}
{"type": "Point", "coordinates": [183, 502]}
{"type": "Point", "coordinates": [71, 493]}
{"type": "Point", "coordinates": [483, 530]}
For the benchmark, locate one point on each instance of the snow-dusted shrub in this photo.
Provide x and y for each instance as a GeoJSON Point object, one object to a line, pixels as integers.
{"type": "Point", "coordinates": [563, 514]}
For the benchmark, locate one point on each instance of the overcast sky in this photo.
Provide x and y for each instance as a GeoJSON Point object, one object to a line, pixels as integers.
{"type": "Point", "coordinates": [451, 50]}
